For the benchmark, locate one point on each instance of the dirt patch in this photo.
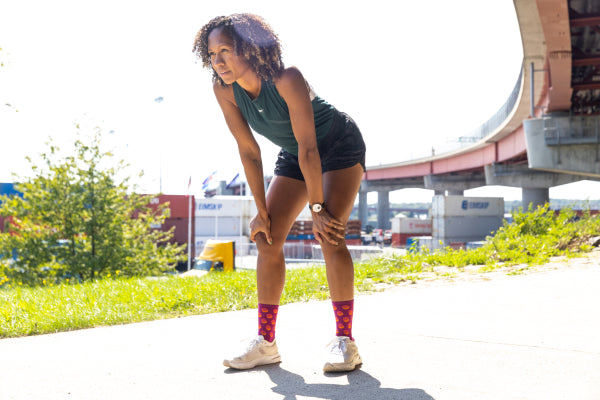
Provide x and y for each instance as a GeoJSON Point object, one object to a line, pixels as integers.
{"type": "Point", "coordinates": [443, 275]}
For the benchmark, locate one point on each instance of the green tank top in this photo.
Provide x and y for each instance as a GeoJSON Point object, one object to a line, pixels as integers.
{"type": "Point", "coordinates": [269, 115]}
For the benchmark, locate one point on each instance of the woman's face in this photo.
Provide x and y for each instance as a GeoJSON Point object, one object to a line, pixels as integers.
{"type": "Point", "coordinates": [223, 57]}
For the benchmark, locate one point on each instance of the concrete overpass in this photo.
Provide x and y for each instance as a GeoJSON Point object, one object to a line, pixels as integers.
{"type": "Point", "coordinates": [546, 134]}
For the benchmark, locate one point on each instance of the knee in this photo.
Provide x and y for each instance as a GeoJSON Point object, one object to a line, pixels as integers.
{"type": "Point", "coordinates": [269, 250]}
{"type": "Point", "coordinates": [335, 251]}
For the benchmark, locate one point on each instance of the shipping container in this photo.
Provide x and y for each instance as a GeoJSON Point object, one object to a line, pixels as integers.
{"type": "Point", "coordinates": [400, 239]}
{"type": "Point", "coordinates": [457, 245]}
{"type": "Point", "coordinates": [357, 251]}
{"type": "Point", "coordinates": [460, 206]}
{"type": "Point", "coordinates": [180, 225]}
{"type": "Point", "coordinates": [226, 206]}
{"type": "Point", "coordinates": [466, 242]}
{"type": "Point", "coordinates": [475, 245]}
{"type": "Point", "coordinates": [476, 228]}
{"type": "Point", "coordinates": [299, 249]}
{"type": "Point", "coordinates": [179, 205]}
{"type": "Point", "coordinates": [418, 243]}
{"type": "Point", "coordinates": [309, 247]}
{"type": "Point", "coordinates": [221, 226]}
{"type": "Point", "coordinates": [8, 189]}
{"type": "Point", "coordinates": [411, 225]}
{"type": "Point", "coordinates": [300, 229]}
{"type": "Point", "coordinates": [180, 235]}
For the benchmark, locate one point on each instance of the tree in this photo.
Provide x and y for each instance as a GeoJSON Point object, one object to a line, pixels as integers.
{"type": "Point", "coordinates": [75, 221]}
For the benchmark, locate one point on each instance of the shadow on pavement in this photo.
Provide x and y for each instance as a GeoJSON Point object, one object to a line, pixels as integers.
{"type": "Point", "coordinates": [360, 386]}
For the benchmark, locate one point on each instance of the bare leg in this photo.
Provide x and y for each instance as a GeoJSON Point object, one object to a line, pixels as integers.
{"type": "Point", "coordinates": [285, 199]}
{"type": "Point", "coordinates": [340, 189]}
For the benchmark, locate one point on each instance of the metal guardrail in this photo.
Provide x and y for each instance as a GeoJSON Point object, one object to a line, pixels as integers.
{"type": "Point", "coordinates": [499, 117]}
{"type": "Point", "coordinates": [298, 254]}
{"type": "Point", "coordinates": [488, 127]}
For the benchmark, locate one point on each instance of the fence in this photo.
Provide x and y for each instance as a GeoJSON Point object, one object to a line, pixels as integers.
{"type": "Point", "coordinates": [572, 130]}
{"type": "Point", "coordinates": [499, 117]}
{"type": "Point", "coordinates": [299, 254]}
{"type": "Point", "coordinates": [488, 127]}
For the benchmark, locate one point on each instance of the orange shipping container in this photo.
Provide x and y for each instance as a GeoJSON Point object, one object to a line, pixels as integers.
{"type": "Point", "coordinates": [178, 205]}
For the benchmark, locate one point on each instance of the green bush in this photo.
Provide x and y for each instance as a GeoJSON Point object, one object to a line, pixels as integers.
{"type": "Point", "coordinates": [535, 236]}
{"type": "Point", "coordinates": [532, 238]}
{"type": "Point", "coordinates": [75, 221]}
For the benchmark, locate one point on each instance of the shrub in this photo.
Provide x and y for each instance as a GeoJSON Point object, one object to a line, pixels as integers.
{"type": "Point", "coordinates": [75, 221]}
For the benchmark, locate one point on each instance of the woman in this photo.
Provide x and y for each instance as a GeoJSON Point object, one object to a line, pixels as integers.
{"type": "Point", "coordinates": [321, 162]}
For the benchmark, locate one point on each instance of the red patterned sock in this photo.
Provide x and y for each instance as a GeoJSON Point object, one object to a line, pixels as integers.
{"type": "Point", "coordinates": [267, 316]}
{"type": "Point", "coordinates": [343, 311]}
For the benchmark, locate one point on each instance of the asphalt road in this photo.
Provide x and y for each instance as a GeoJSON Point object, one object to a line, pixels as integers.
{"type": "Point", "coordinates": [534, 336]}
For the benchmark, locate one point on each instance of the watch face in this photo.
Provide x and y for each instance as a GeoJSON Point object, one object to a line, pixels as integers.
{"type": "Point", "coordinates": [317, 208]}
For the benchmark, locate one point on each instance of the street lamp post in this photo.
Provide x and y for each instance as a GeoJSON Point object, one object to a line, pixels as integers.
{"type": "Point", "coordinates": [159, 100]}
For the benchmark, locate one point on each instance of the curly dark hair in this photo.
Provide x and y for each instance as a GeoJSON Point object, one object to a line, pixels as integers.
{"type": "Point", "coordinates": [253, 39]}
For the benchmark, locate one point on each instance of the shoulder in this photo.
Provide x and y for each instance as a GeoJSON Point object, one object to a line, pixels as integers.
{"type": "Point", "coordinates": [291, 82]}
{"type": "Point", "coordinates": [289, 76]}
{"type": "Point", "coordinates": [223, 92]}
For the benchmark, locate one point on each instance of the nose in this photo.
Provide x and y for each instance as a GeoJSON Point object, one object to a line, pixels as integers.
{"type": "Point", "coordinates": [217, 59]}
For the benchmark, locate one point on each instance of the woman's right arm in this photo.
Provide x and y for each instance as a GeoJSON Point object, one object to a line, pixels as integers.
{"type": "Point", "coordinates": [250, 157]}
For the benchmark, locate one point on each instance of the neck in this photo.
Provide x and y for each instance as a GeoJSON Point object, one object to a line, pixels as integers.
{"type": "Point", "coordinates": [251, 84]}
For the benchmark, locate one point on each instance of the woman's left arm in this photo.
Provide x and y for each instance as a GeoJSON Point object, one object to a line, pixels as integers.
{"type": "Point", "coordinates": [292, 87]}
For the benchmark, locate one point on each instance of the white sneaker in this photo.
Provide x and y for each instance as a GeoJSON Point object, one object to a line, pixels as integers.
{"type": "Point", "coordinates": [258, 352]}
{"type": "Point", "coordinates": [343, 355]}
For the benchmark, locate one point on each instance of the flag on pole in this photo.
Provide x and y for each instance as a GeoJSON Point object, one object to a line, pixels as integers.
{"type": "Point", "coordinates": [189, 243]}
{"type": "Point", "coordinates": [207, 180]}
{"type": "Point", "coordinates": [234, 181]}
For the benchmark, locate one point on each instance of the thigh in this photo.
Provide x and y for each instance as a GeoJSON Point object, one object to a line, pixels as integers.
{"type": "Point", "coordinates": [285, 199]}
{"type": "Point", "coordinates": [340, 189]}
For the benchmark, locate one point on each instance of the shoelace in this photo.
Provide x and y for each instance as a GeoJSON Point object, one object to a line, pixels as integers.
{"type": "Point", "coordinates": [337, 345]}
{"type": "Point", "coordinates": [253, 343]}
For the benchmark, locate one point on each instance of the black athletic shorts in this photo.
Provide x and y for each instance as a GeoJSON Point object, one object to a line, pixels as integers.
{"type": "Point", "coordinates": [343, 147]}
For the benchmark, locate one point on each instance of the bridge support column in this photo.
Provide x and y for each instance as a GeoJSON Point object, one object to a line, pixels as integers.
{"type": "Point", "coordinates": [454, 184]}
{"type": "Point", "coordinates": [383, 209]}
{"type": "Point", "coordinates": [363, 208]}
{"type": "Point", "coordinates": [535, 197]}
{"type": "Point", "coordinates": [564, 143]}
{"type": "Point", "coordinates": [534, 183]}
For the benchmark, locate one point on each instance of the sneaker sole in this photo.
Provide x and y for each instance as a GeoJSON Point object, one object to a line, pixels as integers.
{"type": "Point", "coordinates": [343, 367]}
{"type": "Point", "coordinates": [254, 363]}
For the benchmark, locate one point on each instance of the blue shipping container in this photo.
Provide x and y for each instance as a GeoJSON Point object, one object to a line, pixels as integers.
{"type": "Point", "coordinates": [8, 189]}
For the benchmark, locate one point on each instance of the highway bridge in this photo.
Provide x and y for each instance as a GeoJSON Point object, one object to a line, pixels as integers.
{"type": "Point", "coordinates": [546, 134]}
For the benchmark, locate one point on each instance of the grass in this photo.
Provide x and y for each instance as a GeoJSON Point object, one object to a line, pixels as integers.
{"type": "Point", "coordinates": [46, 309]}
{"type": "Point", "coordinates": [532, 239]}
{"type": "Point", "coordinates": [63, 307]}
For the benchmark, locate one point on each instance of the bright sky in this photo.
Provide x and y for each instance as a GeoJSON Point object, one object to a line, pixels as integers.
{"type": "Point", "coordinates": [414, 75]}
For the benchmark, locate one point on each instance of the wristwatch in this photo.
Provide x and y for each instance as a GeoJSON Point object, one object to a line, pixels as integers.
{"type": "Point", "coordinates": [317, 207]}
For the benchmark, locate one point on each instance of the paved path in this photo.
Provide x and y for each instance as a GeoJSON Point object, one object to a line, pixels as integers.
{"type": "Point", "coordinates": [534, 336]}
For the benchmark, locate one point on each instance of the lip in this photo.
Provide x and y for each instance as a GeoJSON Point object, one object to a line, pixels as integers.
{"type": "Point", "coordinates": [222, 73]}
